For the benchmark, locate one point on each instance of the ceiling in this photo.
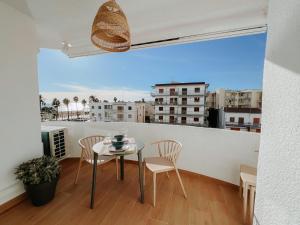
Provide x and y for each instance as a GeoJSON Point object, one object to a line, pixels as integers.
{"type": "Point", "coordinates": [70, 21]}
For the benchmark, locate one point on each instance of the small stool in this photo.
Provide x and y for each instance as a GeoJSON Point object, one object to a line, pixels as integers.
{"type": "Point", "coordinates": [249, 182]}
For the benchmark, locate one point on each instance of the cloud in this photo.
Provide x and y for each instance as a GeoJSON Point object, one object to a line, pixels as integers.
{"type": "Point", "coordinates": [105, 93]}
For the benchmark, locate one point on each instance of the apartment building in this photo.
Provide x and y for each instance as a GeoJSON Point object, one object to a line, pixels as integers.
{"type": "Point", "coordinates": [124, 112]}
{"type": "Point", "coordinates": [180, 103]}
{"type": "Point", "coordinates": [245, 119]}
{"type": "Point", "coordinates": [145, 111]}
{"type": "Point", "coordinates": [232, 98]}
{"type": "Point", "coordinates": [113, 111]}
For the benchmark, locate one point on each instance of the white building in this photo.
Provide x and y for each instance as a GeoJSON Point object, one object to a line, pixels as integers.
{"type": "Point", "coordinates": [245, 119]}
{"type": "Point", "coordinates": [250, 98]}
{"type": "Point", "coordinates": [101, 111]}
{"type": "Point", "coordinates": [124, 112]}
{"type": "Point", "coordinates": [113, 111]}
{"type": "Point", "coordinates": [180, 103]}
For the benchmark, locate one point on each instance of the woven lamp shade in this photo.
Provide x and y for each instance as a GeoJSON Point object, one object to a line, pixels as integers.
{"type": "Point", "coordinates": [110, 30]}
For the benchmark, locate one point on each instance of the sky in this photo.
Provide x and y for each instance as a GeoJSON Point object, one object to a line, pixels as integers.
{"type": "Point", "coordinates": [230, 63]}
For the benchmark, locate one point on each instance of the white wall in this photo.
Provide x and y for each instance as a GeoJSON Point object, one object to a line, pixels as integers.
{"type": "Point", "coordinates": [278, 182]}
{"type": "Point", "coordinates": [213, 152]}
{"type": "Point", "coordinates": [20, 127]}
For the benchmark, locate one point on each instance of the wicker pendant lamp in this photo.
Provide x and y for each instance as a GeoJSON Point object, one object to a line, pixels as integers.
{"type": "Point", "coordinates": [110, 30]}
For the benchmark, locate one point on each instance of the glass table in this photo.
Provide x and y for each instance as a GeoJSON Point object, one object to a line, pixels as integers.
{"type": "Point", "coordinates": [131, 148]}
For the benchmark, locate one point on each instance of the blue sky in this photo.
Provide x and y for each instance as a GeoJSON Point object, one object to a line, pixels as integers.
{"type": "Point", "coordinates": [233, 63]}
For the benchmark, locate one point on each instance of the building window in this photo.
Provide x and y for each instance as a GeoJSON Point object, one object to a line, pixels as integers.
{"type": "Point", "coordinates": [184, 91]}
{"type": "Point", "coordinates": [160, 91]}
{"type": "Point", "coordinates": [196, 109]}
{"type": "Point", "coordinates": [184, 101]}
{"type": "Point", "coordinates": [108, 107]}
{"type": "Point", "coordinates": [93, 107]}
{"type": "Point", "coordinates": [172, 119]}
{"type": "Point", "coordinates": [99, 107]}
{"type": "Point", "coordinates": [231, 119]}
{"type": "Point", "coordinates": [120, 108]}
{"type": "Point", "coordinates": [241, 119]}
{"type": "Point", "coordinates": [256, 120]}
{"type": "Point", "coordinates": [196, 119]}
{"type": "Point", "coordinates": [129, 108]}
{"type": "Point", "coordinates": [160, 118]}
{"type": "Point", "coordinates": [197, 90]}
{"type": "Point", "coordinates": [196, 99]}
{"type": "Point", "coordinates": [183, 110]}
{"type": "Point", "coordinates": [183, 120]}
{"type": "Point", "coordinates": [172, 91]}
{"type": "Point", "coordinates": [172, 110]}
{"type": "Point", "coordinates": [129, 116]}
{"type": "Point", "coordinates": [93, 114]}
{"type": "Point", "coordinates": [161, 108]}
{"type": "Point", "coordinates": [120, 116]}
{"type": "Point", "coordinates": [99, 115]}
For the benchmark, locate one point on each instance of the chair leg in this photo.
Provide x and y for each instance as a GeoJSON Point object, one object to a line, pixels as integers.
{"type": "Point", "coordinates": [252, 192]}
{"type": "Point", "coordinates": [180, 181]}
{"type": "Point", "coordinates": [245, 199]}
{"type": "Point", "coordinates": [144, 173]}
{"type": "Point", "coordinates": [241, 188]}
{"type": "Point", "coordinates": [78, 170]}
{"type": "Point", "coordinates": [117, 168]}
{"type": "Point", "coordinates": [154, 189]}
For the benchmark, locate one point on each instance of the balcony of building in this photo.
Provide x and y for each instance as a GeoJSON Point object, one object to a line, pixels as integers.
{"type": "Point", "coordinates": [210, 159]}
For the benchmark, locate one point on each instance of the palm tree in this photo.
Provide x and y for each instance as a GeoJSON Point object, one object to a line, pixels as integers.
{"type": "Point", "coordinates": [42, 102]}
{"type": "Point", "coordinates": [115, 99]}
{"type": "Point", "coordinates": [56, 104]}
{"type": "Point", "coordinates": [76, 99]}
{"type": "Point", "coordinates": [83, 102]}
{"type": "Point", "coordinates": [92, 98]}
{"type": "Point", "coordinates": [66, 103]}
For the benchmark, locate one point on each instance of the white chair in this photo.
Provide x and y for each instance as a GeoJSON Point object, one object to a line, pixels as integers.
{"type": "Point", "coordinates": [166, 161]}
{"type": "Point", "coordinates": [86, 145]}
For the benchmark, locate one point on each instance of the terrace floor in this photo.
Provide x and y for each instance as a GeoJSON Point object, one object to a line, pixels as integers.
{"type": "Point", "coordinates": [116, 202]}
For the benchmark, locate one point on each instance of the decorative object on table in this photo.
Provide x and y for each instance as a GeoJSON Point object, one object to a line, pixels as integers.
{"type": "Point", "coordinates": [118, 144]}
{"type": "Point", "coordinates": [110, 30]}
{"type": "Point", "coordinates": [119, 137]}
{"type": "Point", "coordinates": [86, 145]}
{"type": "Point", "coordinates": [39, 176]}
{"type": "Point", "coordinates": [166, 161]}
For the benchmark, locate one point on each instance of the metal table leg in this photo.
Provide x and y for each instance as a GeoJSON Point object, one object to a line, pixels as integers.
{"type": "Point", "coordinates": [122, 167]}
{"type": "Point", "coordinates": [141, 175]}
{"type": "Point", "coordinates": [94, 180]}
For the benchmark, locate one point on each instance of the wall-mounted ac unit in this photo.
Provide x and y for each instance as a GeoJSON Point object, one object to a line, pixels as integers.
{"type": "Point", "coordinates": [55, 141]}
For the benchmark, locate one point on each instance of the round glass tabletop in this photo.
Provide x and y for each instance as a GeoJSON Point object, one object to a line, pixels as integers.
{"type": "Point", "coordinates": [108, 149]}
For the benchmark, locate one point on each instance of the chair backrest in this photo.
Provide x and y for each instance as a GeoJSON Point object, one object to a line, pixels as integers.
{"type": "Point", "coordinates": [86, 145]}
{"type": "Point", "coordinates": [168, 149]}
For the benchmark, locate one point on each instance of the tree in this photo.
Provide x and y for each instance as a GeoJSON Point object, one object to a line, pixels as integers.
{"type": "Point", "coordinates": [115, 99]}
{"type": "Point", "coordinates": [83, 102]}
{"type": "Point", "coordinates": [66, 103]}
{"type": "Point", "coordinates": [42, 102]}
{"type": "Point", "coordinates": [56, 104]}
{"type": "Point", "coordinates": [92, 98]}
{"type": "Point", "coordinates": [96, 100]}
{"type": "Point", "coordinates": [76, 99]}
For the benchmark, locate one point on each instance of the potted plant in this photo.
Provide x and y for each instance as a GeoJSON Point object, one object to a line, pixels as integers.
{"type": "Point", "coordinates": [39, 176]}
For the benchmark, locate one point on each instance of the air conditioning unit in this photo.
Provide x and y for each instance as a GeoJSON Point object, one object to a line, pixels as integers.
{"type": "Point", "coordinates": [55, 141]}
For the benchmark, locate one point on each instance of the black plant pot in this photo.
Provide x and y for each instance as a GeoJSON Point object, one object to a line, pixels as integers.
{"type": "Point", "coordinates": [41, 194]}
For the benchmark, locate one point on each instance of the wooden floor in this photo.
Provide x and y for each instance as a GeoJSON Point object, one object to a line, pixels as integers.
{"type": "Point", "coordinates": [116, 202]}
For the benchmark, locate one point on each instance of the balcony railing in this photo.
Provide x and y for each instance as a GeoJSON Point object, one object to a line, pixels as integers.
{"type": "Point", "coordinates": [231, 143]}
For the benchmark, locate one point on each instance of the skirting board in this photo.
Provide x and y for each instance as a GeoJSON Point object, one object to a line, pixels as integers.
{"type": "Point", "coordinates": [13, 202]}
